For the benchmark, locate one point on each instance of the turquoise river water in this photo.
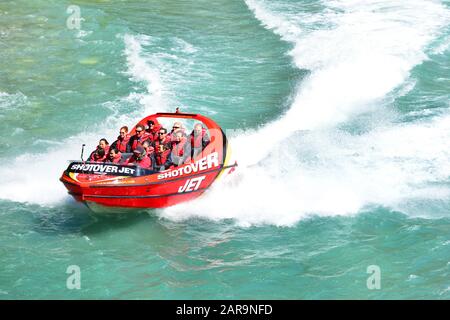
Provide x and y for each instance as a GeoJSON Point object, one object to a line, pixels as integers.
{"type": "Point", "coordinates": [338, 113]}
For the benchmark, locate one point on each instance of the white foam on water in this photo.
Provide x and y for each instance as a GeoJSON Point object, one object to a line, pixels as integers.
{"type": "Point", "coordinates": [362, 52]}
{"type": "Point", "coordinates": [141, 70]}
{"type": "Point", "coordinates": [9, 102]}
{"type": "Point", "coordinates": [368, 52]}
{"type": "Point", "coordinates": [184, 46]}
{"type": "Point", "coordinates": [443, 46]}
{"type": "Point", "coordinates": [34, 178]}
{"type": "Point", "coordinates": [330, 172]}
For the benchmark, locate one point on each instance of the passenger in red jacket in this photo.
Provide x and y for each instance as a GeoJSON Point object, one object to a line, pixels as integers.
{"type": "Point", "coordinates": [181, 150]}
{"type": "Point", "coordinates": [149, 151]}
{"type": "Point", "coordinates": [103, 145]}
{"type": "Point", "coordinates": [121, 144]}
{"type": "Point", "coordinates": [162, 149]}
{"type": "Point", "coordinates": [139, 158]}
{"type": "Point", "coordinates": [114, 156]}
{"type": "Point", "coordinates": [140, 136]}
{"type": "Point", "coordinates": [98, 155]}
{"type": "Point", "coordinates": [153, 129]}
{"type": "Point", "coordinates": [199, 139]}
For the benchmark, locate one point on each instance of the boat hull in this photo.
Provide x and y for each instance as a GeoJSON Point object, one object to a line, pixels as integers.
{"type": "Point", "coordinates": [119, 192]}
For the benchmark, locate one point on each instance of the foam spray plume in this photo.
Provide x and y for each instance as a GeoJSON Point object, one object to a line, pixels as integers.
{"type": "Point", "coordinates": [363, 52]}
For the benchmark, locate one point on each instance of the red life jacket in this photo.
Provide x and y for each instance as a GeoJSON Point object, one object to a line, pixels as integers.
{"type": "Point", "coordinates": [196, 141]}
{"type": "Point", "coordinates": [161, 157]}
{"type": "Point", "coordinates": [116, 158]}
{"type": "Point", "coordinates": [121, 145]}
{"type": "Point", "coordinates": [94, 157]}
{"type": "Point", "coordinates": [178, 147]}
{"type": "Point", "coordinates": [145, 162]}
{"type": "Point", "coordinates": [138, 141]}
{"type": "Point", "coordinates": [154, 132]}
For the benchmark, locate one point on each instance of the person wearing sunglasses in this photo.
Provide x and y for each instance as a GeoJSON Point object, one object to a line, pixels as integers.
{"type": "Point", "coordinates": [162, 149]}
{"type": "Point", "coordinates": [153, 129]}
{"type": "Point", "coordinates": [177, 126]}
{"type": "Point", "coordinates": [121, 144]}
{"type": "Point", "coordinates": [140, 136]}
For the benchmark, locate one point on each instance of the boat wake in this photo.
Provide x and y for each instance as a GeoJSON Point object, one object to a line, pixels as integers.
{"type": "Point", "coordinates": [341, 147]}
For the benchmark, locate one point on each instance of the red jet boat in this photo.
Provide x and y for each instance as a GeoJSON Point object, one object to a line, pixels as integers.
{"type": "Point", "coordinates": [128, 186]}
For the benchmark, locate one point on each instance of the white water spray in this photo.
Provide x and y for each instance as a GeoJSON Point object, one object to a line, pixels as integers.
{"type": "Point", "coordinates": [363, 52]}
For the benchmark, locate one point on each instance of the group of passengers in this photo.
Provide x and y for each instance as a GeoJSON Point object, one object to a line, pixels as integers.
{"type": "Point", "coordinates": [152, 146]}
